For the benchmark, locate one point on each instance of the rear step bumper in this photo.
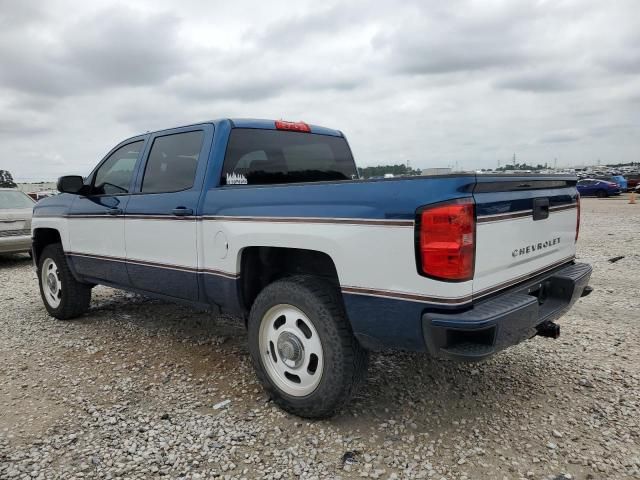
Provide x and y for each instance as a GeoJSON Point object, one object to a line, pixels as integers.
{"type": "Point", "coordinates": [508, 318]}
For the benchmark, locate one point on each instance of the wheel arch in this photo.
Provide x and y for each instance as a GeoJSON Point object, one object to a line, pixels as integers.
{"type": "Point", "coordinates": [262, 265]}
{"type": "Point", "coordinates": [43, 236]}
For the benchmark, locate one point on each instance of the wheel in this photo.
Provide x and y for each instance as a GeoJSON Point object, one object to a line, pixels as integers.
{"type": "Point", "coordinates": [601, 194]}
{"type": "Point", "coordinates": [63, 296]}
{"type": "Point", "coordinates": [302, 346]}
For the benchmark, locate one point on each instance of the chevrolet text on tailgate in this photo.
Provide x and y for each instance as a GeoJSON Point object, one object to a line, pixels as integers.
{"type": "Point", "coordinates": [268, 221]}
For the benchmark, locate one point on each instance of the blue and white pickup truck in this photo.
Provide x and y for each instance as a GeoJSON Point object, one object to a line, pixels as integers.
{"type": "Point", "coordinates": [268, 221]}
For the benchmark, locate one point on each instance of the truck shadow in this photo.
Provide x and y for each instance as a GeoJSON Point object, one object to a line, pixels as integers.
{"type": "Point", "coordinates": [8, 260]}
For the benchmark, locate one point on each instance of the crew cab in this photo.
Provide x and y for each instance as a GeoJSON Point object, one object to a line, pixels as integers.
{"type": "Point", "coordinates": [269, 221]}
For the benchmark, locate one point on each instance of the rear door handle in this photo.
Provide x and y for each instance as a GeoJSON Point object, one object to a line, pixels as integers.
{"type": "Point", "coordinates": [114, 211]}
{"type": "Point", "coordinates": [182, 211]}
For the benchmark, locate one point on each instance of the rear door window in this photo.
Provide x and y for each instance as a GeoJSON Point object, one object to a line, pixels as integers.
{"type": "Point", "coordinates": [172, 163]}
{"type": "Point", "coordinates": [261, 157]}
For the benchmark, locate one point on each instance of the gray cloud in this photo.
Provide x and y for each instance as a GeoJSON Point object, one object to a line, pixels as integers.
{"type": "Point", "coordinates": [561, 137]}
{"type": "Point", "coordinates": [427, 81]}
{"type": "Point", "coordinates": [445, 40]}
{"type": "Point", "coordinates": [537, 81]}
{"type": "Point", "coordinates": [114, 47]}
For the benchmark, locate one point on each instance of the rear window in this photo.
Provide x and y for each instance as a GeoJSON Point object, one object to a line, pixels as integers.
{"type": "Point", "coordinates": [14, 199]}
{"type": "Point", "coordinates": [262, 157]}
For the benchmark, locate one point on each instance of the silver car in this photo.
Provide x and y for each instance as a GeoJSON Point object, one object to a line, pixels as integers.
{"type": "Point", "coordinates": [16, 209]}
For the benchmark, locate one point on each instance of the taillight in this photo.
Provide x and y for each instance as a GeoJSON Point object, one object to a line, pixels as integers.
{"type": "Point", "coordinates": [578, 218]}
{"type": "Point", "coordinates": [446, 244]}
{"type": "Point", "coordinates": [295, 126]}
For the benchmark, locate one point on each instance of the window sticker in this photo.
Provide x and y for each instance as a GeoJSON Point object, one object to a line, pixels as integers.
{"type": "Point", "coordinates": [236, 179]}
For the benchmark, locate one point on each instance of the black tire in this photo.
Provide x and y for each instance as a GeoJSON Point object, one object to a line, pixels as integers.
{"type": "Point", "coordinates": [345, 361]}
{"type": "Point", "coordinates": [601, 194]}
{"type": "Point", "coordinates": [74, 296]}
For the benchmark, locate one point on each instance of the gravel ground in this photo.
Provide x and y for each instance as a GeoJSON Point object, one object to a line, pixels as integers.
{"type": "Point", "coordinates": [130, 390]}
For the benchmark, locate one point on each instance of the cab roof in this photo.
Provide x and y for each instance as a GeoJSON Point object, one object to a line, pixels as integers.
{"type": "Point", "coordinates": [257, 123]}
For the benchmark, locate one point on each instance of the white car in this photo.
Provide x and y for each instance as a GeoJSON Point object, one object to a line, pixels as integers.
{"type": "Point", "coordinates": [16, 209]}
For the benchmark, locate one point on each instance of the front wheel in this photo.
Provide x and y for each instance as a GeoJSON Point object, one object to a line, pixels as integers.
{"type": "Point", "coordinates": [302, 346]}
{"type": "Point", "coordinates": [63, 296]}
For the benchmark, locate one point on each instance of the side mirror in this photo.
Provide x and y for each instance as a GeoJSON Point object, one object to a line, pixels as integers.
{"type": "Point", "coordinates": [70, 184]}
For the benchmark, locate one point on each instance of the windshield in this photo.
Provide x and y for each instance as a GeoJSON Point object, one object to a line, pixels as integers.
{"type": "Point", "coordinates": [14, 199]}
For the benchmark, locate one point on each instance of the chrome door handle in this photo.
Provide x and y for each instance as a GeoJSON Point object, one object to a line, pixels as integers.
{"type": "Point", "coordinates": [114, 211]}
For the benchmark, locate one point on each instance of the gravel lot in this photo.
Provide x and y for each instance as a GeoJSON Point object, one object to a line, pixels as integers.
{"type": "Point", "coordinates": [129, 391]}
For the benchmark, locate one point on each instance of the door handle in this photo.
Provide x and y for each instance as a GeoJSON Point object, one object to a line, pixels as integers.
{"type": "Point", "coordinates": [540, 208]}
{"type": "Point", "coordinates": [114, 211]}
{"type": "Point", "coordinates": [182, 211]}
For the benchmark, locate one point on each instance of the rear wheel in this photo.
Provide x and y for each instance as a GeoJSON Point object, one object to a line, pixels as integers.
{"type": "Point", "coordinates": [302, 346]}
{"type": "Point", "coordinates": [601, 194]}
{"type": "Point", "coordinates": [63, 296]}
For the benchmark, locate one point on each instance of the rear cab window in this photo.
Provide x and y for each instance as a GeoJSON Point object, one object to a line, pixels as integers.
{"type": "Point", "coordinates": [265, 157]}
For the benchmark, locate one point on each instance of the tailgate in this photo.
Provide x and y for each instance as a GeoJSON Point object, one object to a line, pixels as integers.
{"type": "Point", "coordinates": [525, 226]}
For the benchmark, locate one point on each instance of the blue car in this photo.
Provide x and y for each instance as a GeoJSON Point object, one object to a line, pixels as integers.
{"type": "Point", "coordinates": [598, 188]}
{"type": "Point", "coordinates": [618, 179]}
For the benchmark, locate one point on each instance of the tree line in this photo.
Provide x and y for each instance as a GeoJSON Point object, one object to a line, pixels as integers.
{"type": "Point", "coordinates": [380, 170]}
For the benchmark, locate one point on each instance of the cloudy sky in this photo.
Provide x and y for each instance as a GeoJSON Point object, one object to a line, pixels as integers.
{"type": "Point", "coordinates": [466, 83]}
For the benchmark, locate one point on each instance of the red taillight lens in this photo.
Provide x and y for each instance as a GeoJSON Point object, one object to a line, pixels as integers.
{"type": "Point", "coordinates": [578, 218]}
{"type": "Point", "coordinates": [295, 126]}
{"type": "Point", "coordinates": [447, 240]}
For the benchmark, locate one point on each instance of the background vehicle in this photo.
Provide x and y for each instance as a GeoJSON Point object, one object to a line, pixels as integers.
{"type": "Point", "coordinates": [617, 179]}
{"type": "Point", "coordinates": [268, 221]}
{"type": "Point", "coordinates": [15, 221]}
{"type": "Point", "coordinates": [633, 180]}
{"type": "Point", "coordinates": [598, 188]}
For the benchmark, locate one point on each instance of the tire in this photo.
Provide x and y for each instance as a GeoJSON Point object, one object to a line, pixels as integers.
{"type": "Point", "coordinates": [63, 296]}
{"type": "Point", "coordinates": [292, 320]}
{"type": "Point", "coordinates": [601, 194]}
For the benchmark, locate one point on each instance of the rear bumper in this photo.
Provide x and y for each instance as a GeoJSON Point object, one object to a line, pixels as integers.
{"type": "Point", "coordinates": [506, 319]}
{"type": "Point", "coordinates": [15, 244]}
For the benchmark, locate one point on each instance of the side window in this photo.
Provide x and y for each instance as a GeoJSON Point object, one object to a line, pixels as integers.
{"type": "Point", "coordinates": [114, 175]}
{"type": "Point", "coordinates": [172, 163]}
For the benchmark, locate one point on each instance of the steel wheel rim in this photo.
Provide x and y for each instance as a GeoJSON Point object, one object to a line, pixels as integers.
{"type": "Point", "coordinates": [51, 283]}
{"type": "Point", "coordinates": [291, 350]}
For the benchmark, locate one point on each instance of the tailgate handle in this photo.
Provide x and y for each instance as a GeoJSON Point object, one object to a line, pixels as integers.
{"type": "Point", "coordinates": [540, 208]}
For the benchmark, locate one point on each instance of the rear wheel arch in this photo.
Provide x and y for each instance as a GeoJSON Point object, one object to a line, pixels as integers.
{"type": "Point", "coordinates": [261, 266]}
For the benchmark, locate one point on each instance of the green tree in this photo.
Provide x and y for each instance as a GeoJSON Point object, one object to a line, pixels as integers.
{"type": "Point", "coordinates": [6, 179]}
